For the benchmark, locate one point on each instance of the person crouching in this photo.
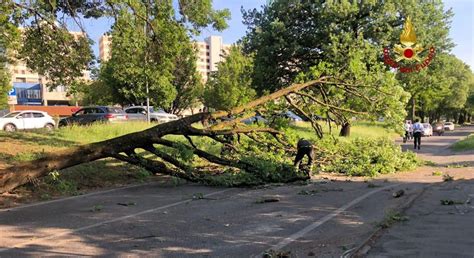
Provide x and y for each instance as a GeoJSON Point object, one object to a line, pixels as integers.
{"type": "Point", "coordinates": [305, 148]}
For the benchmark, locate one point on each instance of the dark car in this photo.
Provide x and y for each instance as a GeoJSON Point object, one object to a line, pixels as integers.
{"type": "Point", "coordinates": [89, 115]}
{"type": "Point", "coordinates": [438, 128]}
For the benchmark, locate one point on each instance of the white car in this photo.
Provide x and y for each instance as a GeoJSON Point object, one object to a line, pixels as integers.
{"type": "Point", "coordinates": [27, 119]}
{"type": "Point", "coordinates": [449, 126]}
{"type": "Point", "coordinates": [427, 129]}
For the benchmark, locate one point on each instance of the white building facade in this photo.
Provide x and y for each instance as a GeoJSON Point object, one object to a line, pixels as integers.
{"type": "Point", "coordinates": [210, 52]}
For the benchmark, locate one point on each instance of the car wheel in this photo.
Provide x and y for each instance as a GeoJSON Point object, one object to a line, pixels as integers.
{"type": "Point", "coordinates": [9, 128]}
{"type": "Point", "coordinates": [49, 127]}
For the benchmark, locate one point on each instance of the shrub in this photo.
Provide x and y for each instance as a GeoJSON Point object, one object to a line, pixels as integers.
{"type": "Point", "coordinates": [368, 157]}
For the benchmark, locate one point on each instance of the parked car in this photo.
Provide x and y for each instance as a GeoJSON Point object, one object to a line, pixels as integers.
{"type": "Point", "coordinates": [292, 117]}
{"type": "Point", "coordinates": [255, 120]}
{"type": "Point", "coordinates": [27, 119]}
{"type": "Point", "coordinates": [89, 115]}
{"type": "Point", "coordinates": [427, 129]}
{"type": "Point", "coordinates": [449, 126]}
{"type": "Point", "coordinates": [139, 113]}
{"type": "Point", "coordinates": [438, 128]}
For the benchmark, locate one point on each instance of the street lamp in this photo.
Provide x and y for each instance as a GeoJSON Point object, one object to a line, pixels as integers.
{"type": "Point", "coordinates": [146, 65]}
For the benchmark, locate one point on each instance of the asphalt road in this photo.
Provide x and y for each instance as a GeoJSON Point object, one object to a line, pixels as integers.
{"type": "Point", "coordinates": [324, 218]}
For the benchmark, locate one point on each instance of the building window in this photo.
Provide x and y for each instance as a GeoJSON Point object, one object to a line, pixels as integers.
{"type": "Point", "coordinates": [23, 71]}
{"type": "Point", "coordinates": [19, 79]}
{"type": "Point", "coordinates": [60, 88]}
{"type": "Point", "coordinates": [207, 47]}
{"type": "Point", "coordinates": [208, 67]}
{"type": "Point", "coordinates": [29, 94]}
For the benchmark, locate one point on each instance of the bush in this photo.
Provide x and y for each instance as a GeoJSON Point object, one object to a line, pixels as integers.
{"type": "Point", "coordinates": [353, 157]}
{"type": "Point", "coordinates": [368, 157]}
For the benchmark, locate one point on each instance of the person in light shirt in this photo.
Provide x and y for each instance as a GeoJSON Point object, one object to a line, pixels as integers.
{"type": "Point", "coordinates": [408, 131]}
{"type": "Point", "coordinates": [417, 131]}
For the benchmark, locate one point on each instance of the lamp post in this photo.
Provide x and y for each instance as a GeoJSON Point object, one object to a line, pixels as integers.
{"type": "Point", "coordinates": [146, 65]}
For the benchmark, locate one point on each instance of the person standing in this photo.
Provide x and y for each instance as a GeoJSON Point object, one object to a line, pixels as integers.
{"type": "Point", "coordinates": [408, 131]}
{"type": "Point", "coordinates": [417, 131]}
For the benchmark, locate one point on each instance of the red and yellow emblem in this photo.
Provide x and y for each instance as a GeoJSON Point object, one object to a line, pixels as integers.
{"type": "Point", "coordinates": [408, 50]}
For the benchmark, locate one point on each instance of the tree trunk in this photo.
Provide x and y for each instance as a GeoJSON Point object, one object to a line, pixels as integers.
{"type": "Point", "coordinates": [413, 107]}
{"type": "Point", "coordinates": [461, 118]}
{"type": "Point", "coordinates": [345, 130]}
{"type": "Point", "coordinates": [123, 147]}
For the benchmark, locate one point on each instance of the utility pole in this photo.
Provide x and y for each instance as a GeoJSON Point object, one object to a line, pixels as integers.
{"type": "Point", "coordinates": [146, 65]}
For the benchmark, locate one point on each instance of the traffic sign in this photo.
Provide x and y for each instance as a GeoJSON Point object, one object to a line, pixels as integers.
{"type": "Point", "coordinates": [12, 92]}
{"type": "Point", "coordinates": [12, 100]}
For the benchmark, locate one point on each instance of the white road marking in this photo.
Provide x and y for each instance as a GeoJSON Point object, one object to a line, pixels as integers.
{"type": "Point", "coordinates": [72, 197]}
{"type": "Point", "coordinates": [325, 219]}
{"type": "Point", "coordinates": [105, 222]}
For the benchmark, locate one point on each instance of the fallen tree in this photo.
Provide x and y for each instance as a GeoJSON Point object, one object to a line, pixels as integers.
{"type": "Point", "coordinates": [125, 147]}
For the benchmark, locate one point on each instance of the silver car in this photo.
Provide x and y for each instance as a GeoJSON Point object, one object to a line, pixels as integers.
{"type": "Point", "coordinates": [427, 130]}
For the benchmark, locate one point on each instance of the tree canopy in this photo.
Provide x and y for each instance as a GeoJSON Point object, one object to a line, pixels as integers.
{"type": "Point", "coordinates": [137, 58]}
{"type": "Point", "coordinates": [230, 85]}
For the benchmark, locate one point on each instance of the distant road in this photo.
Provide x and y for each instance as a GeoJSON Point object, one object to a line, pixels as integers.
{"type": "Point", "coordinates": [437, 148]}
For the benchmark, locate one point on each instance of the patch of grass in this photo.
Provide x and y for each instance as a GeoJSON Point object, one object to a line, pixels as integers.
{"type": "Point", "coordinates": [391, 218]}
{"type": "Point", "coordinates": [98, 131]}
{"type": "Point", "coordinates": [437, 173]}
{"type": "Point", "coordinates": [27, 156]}
{"type": "Point", "coordinates": [464, 144]}
{"type": "Point", "coordinates": [366, 130]}
{"type": "Point", "coordinates": [430, 163]}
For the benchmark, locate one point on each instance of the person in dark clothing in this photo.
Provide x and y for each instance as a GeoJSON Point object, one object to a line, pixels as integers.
{"type": "Point", "coordinates": [305, 148]}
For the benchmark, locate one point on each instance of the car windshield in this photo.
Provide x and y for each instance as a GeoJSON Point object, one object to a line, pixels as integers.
{"type": "Point", "coordinates": [448, 123]}
{"type": "Point", "coordinates": [115, 110]}
{"type": "Point", "coordinates": [13, 114]}
{"type": "Point", "coordinates": [426, 125]}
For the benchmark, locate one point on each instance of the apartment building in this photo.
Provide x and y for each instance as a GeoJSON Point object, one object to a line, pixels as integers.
{"type": "Point", "coordinates": [211, 51]}
{"type": "Point", "coordinates": [104, 47]}
{"type": "Point", "coordinates": [30, 86]}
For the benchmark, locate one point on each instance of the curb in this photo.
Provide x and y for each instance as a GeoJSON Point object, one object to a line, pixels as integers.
{"type": "Point", "coordinates": [366, 245]}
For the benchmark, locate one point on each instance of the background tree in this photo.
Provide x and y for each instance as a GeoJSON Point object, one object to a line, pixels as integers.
{"type": "Point", "coordinates": [230, 85]}
{"type": "Point", "coordinates": [52, 51]}
{"type": "Point", "coordinates": [442, 89]}
{"type": "Point", "coordinates": [348, 36]}
{"type": "Point", "coordinates": [8, 41]}
{"type": "Point", "coordinates": [186, 79]}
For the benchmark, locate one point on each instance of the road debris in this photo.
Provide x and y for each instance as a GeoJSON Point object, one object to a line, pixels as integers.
{"type": "Point", "coordinates": [450, 202]}
{"type": "Point", "coordinates": [276, 254]}
{"type": "Point", "coordinates": [447, 178]}
{"type": "Point", "coordinates": [268, 199]}
{"type": "Point", "coordinates": [398, 193]}
{"type": "Point", "coordinates": [127, 204]}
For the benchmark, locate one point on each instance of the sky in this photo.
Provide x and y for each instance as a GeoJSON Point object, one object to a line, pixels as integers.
{"type": "Point", "coordinates": [462, 26]}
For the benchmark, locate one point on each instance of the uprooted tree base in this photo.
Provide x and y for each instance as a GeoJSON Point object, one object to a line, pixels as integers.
{"type": "Point", "coordinates": [125, 147]}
